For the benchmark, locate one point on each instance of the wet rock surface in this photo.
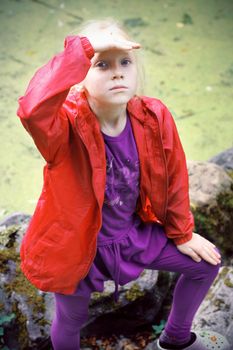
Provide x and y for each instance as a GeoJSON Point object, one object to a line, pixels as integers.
{"type": "Point", "coordinates": [25, 312]}
{"type": "Point", "coordinates": [139, 304]}
{"type": "Point", "coordinates": [215, 313]}
{"type": "Point", "coordinates": [30, 311]}
{"type": "Point", "coordinates": [206, 182]}
{"type": "Point", "coordinates": [211, 198]}
{"type": "Point", "coordinates": [137, 319]}
{"type": "Point", "coordinates": [224, 159]}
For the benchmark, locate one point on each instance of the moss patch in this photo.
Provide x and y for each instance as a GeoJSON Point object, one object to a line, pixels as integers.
{"type": "Point", "coordinates": [228, 283]}
{"type": "Point", "coordinates": [134, 292]}
{"type": "Point", "coordinates": [97, 295]}
{"type": "Point", "coordinates": [230, 173]}
{"type": "Point", "coordinates": [215, 222]}
{"type": "Point", "coordinates": [7, 235]}
{"type": "Point", "coordinates": [21, 325]}
{"type": "Point", "coordinates": [20, 285]}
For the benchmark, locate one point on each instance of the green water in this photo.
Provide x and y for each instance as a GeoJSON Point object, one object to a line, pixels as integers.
{"type": "Point", "coordinates": [187, 51]}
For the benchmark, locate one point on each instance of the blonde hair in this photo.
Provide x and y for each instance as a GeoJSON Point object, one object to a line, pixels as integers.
{"type": "Point", "coordinates": [93, 25]}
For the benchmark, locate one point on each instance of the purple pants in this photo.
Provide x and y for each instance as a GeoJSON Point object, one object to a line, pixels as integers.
{"type": "Point", "coordinates": [71, 311]}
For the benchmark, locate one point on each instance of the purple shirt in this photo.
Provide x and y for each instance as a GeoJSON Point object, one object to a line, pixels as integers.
{"type": "Point", "coordinates": [125, 244]}
{"type": "Point", "coordinates": [122, 184]}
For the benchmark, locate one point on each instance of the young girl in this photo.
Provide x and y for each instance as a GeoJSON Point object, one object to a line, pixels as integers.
{"type": "Point", "coordinates": [115, 198]}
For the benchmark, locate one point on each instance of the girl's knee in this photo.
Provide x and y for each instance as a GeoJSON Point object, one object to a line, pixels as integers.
{"type": "Point", "coordinates": [205, 270]}
{"type": "Point", "coordinates": [215, 268]}
{"type": "Point", "coordinates": [72, 311]}
{"type": "Point", "coordinates": [72, 322]}
{"type": "Point", "coordinates": [211, 270]}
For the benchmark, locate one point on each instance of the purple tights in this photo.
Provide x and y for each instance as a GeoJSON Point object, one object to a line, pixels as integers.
{"type": "Point", "coordinates": [71, 312]}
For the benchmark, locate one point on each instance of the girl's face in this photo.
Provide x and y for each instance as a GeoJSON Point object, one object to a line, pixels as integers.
{"type": "Point", "coordinates": [109, 70]}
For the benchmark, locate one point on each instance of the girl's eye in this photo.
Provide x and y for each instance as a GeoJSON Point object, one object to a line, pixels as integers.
{"type": "Point", "coordinates": [101, 64]}
{"type": "Point", "coordinates": [105, 65]}
{"type": "Point", "coordinates": [125, 61]}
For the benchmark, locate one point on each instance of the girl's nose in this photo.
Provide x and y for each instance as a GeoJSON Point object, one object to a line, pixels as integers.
{"type": "Point", "coordinates": [117, 73]}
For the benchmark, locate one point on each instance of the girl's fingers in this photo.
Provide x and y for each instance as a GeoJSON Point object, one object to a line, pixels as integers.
{"type": "Point", "coordinates": [202, 248]}
{"type": "Point", "coordinates": [206, 240]}
{"type": "Point", "coordinates": [211, 246]}
{"type": "Point", "coordinates": [216, 253]}
{"type": "Point", "coordinates": [206, 253]}
{"type": "Point", "coordinates": [213, 260]}
{"type": "Point", "coordinates": [191, 252]}
{"type": "Point", "coordinates": [210, 256]}
{"type": "Point", "coordinates": [134, 43]}
{"type": "Point", "coordinates": [126, 44]}
{"type": "Point", "coordinates": [195, 256]}
{"type": "Point", "coordinates": [213, 252]}
{"type": "Point", "coordinates": [111, 41]}
{"type": "Point", "coordinates": [120, 47]}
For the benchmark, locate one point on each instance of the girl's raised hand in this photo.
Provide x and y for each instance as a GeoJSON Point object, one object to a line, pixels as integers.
{"type": "Point", "coordinates": [110, 40]}
{"type": "Point", "coordinates": [199, 247]}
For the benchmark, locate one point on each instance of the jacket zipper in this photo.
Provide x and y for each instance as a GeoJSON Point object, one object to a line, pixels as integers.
{"type": "Point", "coordinates": [154, 116]}
{"type": "Point", "coordinates": [86, 272]}
{"type": "Point", "coordinates": [166, 173]}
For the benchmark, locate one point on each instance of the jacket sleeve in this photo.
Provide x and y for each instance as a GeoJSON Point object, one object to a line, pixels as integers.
{"type": "Point", "coordinates": [40, 109]}
{"type": "Point", "coordinates": [179, 223]}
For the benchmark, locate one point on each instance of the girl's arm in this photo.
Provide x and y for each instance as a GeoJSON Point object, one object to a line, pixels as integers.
{"type": "Point", "coordinates": [179, 221]}
{"type": "Point", "coordinates": [40, 109]}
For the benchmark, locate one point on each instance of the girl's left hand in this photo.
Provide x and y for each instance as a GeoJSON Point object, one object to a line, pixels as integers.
{"type": "Point", "coordinates": [199, 247]}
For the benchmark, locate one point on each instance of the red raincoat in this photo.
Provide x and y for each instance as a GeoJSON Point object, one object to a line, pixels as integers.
{"type": "Point", "coordinates": [60, 243]}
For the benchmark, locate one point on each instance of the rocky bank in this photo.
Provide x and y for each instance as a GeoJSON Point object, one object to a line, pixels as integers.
{"type": "Point", "coordinates": [143, 307]}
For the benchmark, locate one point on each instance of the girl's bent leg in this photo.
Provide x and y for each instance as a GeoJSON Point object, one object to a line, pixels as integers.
{"type": "Point", "coordinates": [72, 310]}
{"type": "Point", "coordinates": [71, 313]}
{"type": "Point", "coordinates": [190, 290]}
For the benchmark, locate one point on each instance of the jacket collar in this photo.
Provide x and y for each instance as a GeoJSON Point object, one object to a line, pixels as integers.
{"type": "Point", "coordinates": [136, 108]}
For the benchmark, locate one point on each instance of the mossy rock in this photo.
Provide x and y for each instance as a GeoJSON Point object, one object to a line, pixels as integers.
{"type": "Point", "coordinates": [19, 296]}
{"type": "Point", "coordinates": [215, 222]}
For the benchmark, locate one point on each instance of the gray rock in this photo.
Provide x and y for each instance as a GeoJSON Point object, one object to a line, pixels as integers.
{"type": "Point", "coordinates": [18, 297]}
{"type": "Point", "coordinates": [151, 346]}
{"type": "Point", "coordinates": [215, 312]}
{"type": "Point", "coordinates": [14, 219]}
{"type": "Point", "coordinates": [211, 193]}
{"type": "Point", "coordinates": [139, 303]}
{"type": "Point", "coordinates": [206, 182]}
{"type": "Point", "coordinates": [126, 343]}
{"type": "Point", "coordinates": [139, 300]}
{"type": "Point", "coordinates": [224, 159]}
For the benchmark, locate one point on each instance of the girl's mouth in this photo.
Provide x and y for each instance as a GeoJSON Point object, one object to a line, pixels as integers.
{"type": "Point", "coordinates": [119, 87]}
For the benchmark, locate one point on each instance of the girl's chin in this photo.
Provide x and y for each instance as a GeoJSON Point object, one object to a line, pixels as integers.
{"type": "Point", "coordinates": [115, 100]}
{"type": "Point", "coordinates": [110, 100]}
